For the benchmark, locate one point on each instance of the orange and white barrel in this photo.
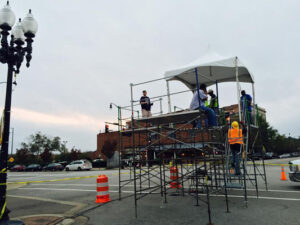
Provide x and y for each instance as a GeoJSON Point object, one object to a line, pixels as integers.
{"type": "Point", "coordinates": [102, 189]}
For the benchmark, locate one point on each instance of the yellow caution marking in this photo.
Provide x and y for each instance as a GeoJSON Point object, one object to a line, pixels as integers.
{"type": "Point", "coordinates": [54, 180]}
{"type": "Point", "coordinates": [271, 164]}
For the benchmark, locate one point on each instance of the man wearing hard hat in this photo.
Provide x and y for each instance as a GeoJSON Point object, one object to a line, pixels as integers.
{"type": "Point", "coordinates": [213, 103]}
{"type": "Point", "coordinates": [235, 139]}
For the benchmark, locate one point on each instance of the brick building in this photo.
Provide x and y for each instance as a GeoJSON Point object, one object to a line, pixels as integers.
{"type": "Point", "coordinates": [142, 138]}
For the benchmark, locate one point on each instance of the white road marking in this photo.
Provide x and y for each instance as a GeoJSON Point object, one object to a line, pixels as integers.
{"type": "Point", "coordinates": [254, 197]}
{"type": "Point", "coordinates": [59, 189]}
{"type": "Point", "coordinates": [116, 185]}
{"type": "Point", "coordinates": [89, 185]}
{"type": "Point", "coordinates": [115, 191]}
{"type": "Point", "coordinates": [84, 190]}
{"type": "Point", "coordinates": [264, 190]}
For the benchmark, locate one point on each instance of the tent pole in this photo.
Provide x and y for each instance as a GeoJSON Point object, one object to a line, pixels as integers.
{"type": "Point", "coordinates": [196, 73]}
{"type": "Point", "coordinates": [131, 101]}
{"type": "Point", "coordinates": [160, 104]}
{"type": "Point", "coordinates": [238, 86]}
{"type": "Point", "coordinates": [169, 97]}
{"type": "Point", "coordinates": [217, 90]}
{"type": "Point", "coordinates": [254, 102]}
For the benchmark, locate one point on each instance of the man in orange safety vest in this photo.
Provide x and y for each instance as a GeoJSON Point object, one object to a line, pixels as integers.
{"type": "Point", "coordinates": [235, 139]}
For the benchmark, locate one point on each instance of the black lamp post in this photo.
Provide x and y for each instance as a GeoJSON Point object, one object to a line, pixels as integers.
{"type": "Point", "coordinates": [12, 53]}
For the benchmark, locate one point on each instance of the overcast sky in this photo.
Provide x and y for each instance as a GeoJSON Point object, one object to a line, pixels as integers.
{"type": "Point", "coordinates": [86, 53]}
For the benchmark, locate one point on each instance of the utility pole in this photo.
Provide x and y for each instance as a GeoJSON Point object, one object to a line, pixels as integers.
{"type": "Point", "coordinates": [12, 141]}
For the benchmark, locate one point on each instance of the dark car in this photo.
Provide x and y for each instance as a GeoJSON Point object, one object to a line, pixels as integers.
{"type": "Point", "coordinates": [54, 167]}
{"type": "Point", "coordinates": [98, 163]}
{"type": "Point", "coordinates": [17, 168]}
{"type": "Point", "coordinates": [63, 163]}
{"type": "Point", "coordinates": [295, 154]}
{"type": "Point", "coordinates": [255, 156]}
{"type": "Point", "coordinates": [34, 167]}
{"type": "Point", "coordinates": [269, 155]}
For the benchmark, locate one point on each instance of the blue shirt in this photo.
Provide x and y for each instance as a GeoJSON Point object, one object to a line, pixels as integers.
{"type": "Point", "coordinates": [195, 102]}
{"type": "Point", "coordinates": [248, 99]}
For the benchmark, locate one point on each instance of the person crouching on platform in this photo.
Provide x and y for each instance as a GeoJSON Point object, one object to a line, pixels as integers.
{"type": "Point", "coordinates": [235, 139]}
{"type": "Point", "coordinates": [211, 116]}
{"type": "Point", "coordinates": [146, 105]}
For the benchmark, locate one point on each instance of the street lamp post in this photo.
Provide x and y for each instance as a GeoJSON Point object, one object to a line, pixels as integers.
{"type": "Point", "coordinates": [12, 53]}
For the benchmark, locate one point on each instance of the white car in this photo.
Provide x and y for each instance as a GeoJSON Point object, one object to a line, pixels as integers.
{"type": "Point", "coordinates": [283, 156]}
{"type": "Point", "coordinates": [79, 165]}
{"type": "Point", "coordinates": [294, 173]}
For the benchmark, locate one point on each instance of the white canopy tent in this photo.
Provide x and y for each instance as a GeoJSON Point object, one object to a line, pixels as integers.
{"type": "Point", "coordinates": [211, 69]}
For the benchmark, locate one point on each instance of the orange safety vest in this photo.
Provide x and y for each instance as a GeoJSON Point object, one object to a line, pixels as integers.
{"type": "Point", "coordinates": [235, 136]}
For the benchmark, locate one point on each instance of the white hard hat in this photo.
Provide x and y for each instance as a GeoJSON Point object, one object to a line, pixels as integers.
{"type": "Point", "coordinates": [210, 91]}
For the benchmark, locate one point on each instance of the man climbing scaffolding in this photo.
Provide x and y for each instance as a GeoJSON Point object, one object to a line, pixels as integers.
{"type": "Point", "coordinates": [235, 140]}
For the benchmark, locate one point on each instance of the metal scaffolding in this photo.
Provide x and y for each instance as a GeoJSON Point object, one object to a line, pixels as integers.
{"type": "Point", "coordinates": [200, 157]}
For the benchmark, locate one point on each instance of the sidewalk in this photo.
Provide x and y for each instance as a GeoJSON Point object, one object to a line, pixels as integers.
{"type": "Point", "coordinates": [182, 211]}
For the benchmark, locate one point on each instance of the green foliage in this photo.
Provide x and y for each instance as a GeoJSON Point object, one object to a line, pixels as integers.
{"type": "Point", "coordinates": [85, 155]}
{"type": "Point", "coordinates": [39, 148]}
{"type": "Point", "coordinates": [75, 154]}
{"type": "Point", "coordinates": [43, 149]}
{"type": "Point", "coordinates": [38, 143]}
{"type": "Point", "coordinates": [63, 157]}
{"type": "Point", "coordinates": [46, 156]}
{"type": "Point", "coordinates": [24, 156]}
{"type": "Point", "coordinates": [275, 142]}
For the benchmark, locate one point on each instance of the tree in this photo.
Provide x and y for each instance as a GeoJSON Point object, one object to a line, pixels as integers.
{"type": "Point", "coordinates": [75, 154]}
{"type": "Point", "coordinates": [37, 143]}
{"type": "Point", "coordinates": [109, 148]}
{"type": "Point", "coordinates": [46, 156]}
{"type": "Point", "coordinates": [274, 141]}
{"type": "Point", "coordinates": [24, 156]}
{"type": "Point", "coordinates": [41, 148]}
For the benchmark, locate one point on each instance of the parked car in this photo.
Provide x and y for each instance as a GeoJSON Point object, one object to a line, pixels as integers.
{"type": "Point", "coordinates": [64, 163]}
{"type": "Point", "coordinates": [53, 167]}
{"type": "Point", "coordinates": [287, 155]}
{"type": "Point", "coordinates": [98, 163]}
{"type": "Point", "coordinates": [79, 165]}
{"type": "Point", "coordinates": [269, 155]}
{"type": "Point", "coordinates": [255, 156]}
{"type": "Point", "coordinates": [295, 154]}
{"type": "Point", "coordinates": [34, 167]}
{"type": "Point", "coordinates": [294, 173]}
{"type": "Point", "coordinates": [17, 168]}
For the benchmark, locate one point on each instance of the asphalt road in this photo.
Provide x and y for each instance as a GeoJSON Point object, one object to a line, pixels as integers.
{"type": "Point", "coordinates": [64, 198]}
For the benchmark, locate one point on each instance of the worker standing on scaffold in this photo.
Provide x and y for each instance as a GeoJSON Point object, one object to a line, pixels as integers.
{"type": "Point", "coordinates": [146, 105]}
{"type": "Point", "coordinates": [246, 104]}
{"type": "Point", "coordinates": [235, 139]}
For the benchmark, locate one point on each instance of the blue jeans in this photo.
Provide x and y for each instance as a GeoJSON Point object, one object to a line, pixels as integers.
{"type": "Point", "coordinates": [235, 150]}
{"type": "Point", "coordinates": [211, 117]}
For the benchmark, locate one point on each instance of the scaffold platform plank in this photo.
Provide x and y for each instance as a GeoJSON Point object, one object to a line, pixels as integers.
{"type": "Point", "coordinates": [175, 117]}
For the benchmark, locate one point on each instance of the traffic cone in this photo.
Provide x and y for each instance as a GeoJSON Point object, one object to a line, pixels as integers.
{"type": "Point", "coordinates": [174, 178]}
{"type": "Point", "coordinates": [102, 189]}
{"type": "Point", "coordinates": [283, 177]}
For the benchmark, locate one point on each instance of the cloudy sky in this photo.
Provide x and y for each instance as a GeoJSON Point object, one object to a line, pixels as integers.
{"type": "Point", "coordinates": [87, 52]}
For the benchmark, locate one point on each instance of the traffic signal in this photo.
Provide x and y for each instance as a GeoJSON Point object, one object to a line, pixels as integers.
{"type": "Point", "coordinates": [106, 128]}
